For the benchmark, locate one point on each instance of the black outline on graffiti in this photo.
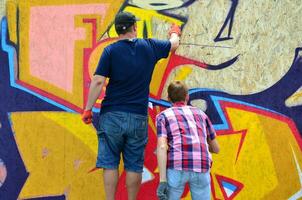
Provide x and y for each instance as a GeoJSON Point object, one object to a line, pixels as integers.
{"type": "Point", "coordinates": [228, 21]}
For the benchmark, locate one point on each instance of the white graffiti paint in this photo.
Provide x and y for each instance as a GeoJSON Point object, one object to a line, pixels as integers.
{"type": "Point", "coordinates": [157, 4]}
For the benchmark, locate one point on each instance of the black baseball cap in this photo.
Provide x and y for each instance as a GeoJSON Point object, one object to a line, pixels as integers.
{"type": "Point", "coordinates": [124, 20]}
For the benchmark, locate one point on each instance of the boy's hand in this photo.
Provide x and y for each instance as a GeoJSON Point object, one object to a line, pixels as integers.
{"type": "Point", "coordinates": [87, 116]}
{"type": "Point", "coordinates": [162, 191]}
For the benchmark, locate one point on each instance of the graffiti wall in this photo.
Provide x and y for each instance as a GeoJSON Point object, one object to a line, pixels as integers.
{"type": "Point", "coordinates": [241, 59]}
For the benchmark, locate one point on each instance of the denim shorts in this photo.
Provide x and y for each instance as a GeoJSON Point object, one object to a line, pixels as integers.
{"type": "Point", "coordinates": [199, 184]}
{"type": "Point", "coordinates": [122, 133]}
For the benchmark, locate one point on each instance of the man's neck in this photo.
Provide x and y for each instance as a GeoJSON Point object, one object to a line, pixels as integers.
{"type": "Point", "coordinates": [129, 36]}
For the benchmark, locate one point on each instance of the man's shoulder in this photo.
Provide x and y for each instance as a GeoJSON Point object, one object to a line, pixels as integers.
{"type": "Point", "coordinates": [153, 40]}
{"type": "Point", "coordinates": [125, 42]}
{"type": "Point", "coordinates": [117, 45]}
{"type": "Point", "coordinates": [147, 41]}
{"type": "Point", "coordinates": [113, 45]}
{"type": "Point", "coordinates": [109, 47]}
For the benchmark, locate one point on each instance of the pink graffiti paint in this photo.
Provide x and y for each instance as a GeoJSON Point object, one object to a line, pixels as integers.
{"type": "Point", "coordinates": [52, 39]}
{"type": "Point", "coordinates": [3, 172]}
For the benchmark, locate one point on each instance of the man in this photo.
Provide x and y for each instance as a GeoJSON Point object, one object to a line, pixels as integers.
{"type": "Point", "coordinates": [190, 137]}
{"type": "Point", "coordinates": [129, 64]}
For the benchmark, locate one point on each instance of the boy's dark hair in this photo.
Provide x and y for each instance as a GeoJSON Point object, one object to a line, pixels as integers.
{"type": "Point", "coordinates": [177, 91]}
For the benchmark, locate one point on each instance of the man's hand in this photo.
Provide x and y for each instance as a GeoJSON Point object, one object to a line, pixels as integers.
{"type": "Point", "coordinates": [174, 33]}
{"type": "Point", "coordinates": [162, 191]}
{"type": "Point", "coordinates": [87, 116]}
{"type": "Point", "coordinates": [175, 29]}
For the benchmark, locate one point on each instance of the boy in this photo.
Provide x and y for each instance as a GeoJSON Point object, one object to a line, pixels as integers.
{"type": "Point", "coordinates": [190, 137]}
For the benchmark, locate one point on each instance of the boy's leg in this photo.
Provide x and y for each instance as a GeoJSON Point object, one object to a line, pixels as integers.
{"type": "Point", "coordinates": [176, 182]}
{"type": "Point", "coordinates": [133, 182]}
{"type": "Point", "coordinates": [200, 186]}
{"type": "Point", "coordinates": [110, 177]}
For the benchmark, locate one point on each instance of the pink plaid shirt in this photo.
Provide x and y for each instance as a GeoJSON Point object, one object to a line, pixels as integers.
{"type": "Point", "coordinates": [186, 129]}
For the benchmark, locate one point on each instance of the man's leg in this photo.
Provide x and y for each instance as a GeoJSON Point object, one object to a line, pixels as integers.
{"type": "Point", "coordinates": [133, 154]}
{"type": "Point", "coordinates": [110, 177]}
{"type": "Point", "coordinates": [110, 136]}
{"type": "Point", "coordinates": [133, 182]}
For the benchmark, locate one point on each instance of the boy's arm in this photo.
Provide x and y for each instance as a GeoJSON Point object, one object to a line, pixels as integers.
{"type": "Point", "coordinates": [213, 145]}
{"type": "Point", "coordinates": [211, 137]}
{"type": "Point", "coordinates": [162, 158]}
{"type": "Point", "coordinates": [161, 152]}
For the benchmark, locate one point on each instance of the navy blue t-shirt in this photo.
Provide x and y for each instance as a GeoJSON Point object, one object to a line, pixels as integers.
{"type": "Point", "coordinates": [129, 66]}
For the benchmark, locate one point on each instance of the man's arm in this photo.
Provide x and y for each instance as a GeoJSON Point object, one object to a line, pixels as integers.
{"type": "Point", "coordinates": [162, 158]}
{"type": "Point", "coordinates": [95, 89]}
{"type": "Point", "coordinates": [174, 33]}
{"type": "Point", "coordinates": [174, 39]}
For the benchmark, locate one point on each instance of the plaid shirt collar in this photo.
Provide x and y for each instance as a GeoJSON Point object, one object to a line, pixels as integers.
{"type": "Point", "coordinates": [179, 104]}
